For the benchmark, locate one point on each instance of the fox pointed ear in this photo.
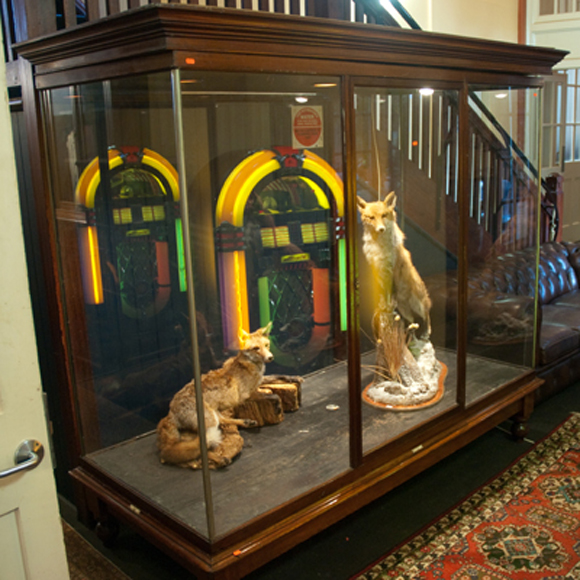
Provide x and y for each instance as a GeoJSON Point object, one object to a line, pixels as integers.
{"type": "Point", "coordinates": [243, 336]}
{"type": "Point", "coordinates": [391, 200]}
{"type": "Point", "coordinates": [361, 202]}
{"type": "Point", "coordinates": [266, 330]}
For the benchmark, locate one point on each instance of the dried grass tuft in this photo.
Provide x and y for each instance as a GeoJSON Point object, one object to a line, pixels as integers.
{"type": "Point", "coordinates": [391, 344]}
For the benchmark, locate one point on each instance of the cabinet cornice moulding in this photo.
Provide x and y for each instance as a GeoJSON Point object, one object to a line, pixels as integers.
{"type": "Point", "coordinates": [158, 29]}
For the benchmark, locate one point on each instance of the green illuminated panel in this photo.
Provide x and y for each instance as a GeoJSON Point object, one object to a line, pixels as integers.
{"type": "Point", "coordinates": [180, 255]}
{"type": "Point", "coordinates": [342, 284]}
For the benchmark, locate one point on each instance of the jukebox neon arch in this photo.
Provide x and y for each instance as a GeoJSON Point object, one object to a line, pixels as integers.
{"type": "Point", "coordinates": [147, 189]}
{"type": "Point", "coordinates": [252, 177]}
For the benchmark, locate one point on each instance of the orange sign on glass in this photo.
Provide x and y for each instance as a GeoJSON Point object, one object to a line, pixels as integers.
{"type": "Point", "coordinates": [307, 127]}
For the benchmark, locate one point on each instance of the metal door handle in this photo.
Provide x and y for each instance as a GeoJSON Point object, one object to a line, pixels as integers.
{"type": "Point", "coordinates": [27, 456]}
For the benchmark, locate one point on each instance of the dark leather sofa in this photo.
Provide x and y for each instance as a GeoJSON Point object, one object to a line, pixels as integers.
{"type": "Point", "coordinates": [501, 311]}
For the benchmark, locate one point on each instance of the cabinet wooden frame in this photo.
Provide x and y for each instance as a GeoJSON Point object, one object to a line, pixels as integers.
{"type": "Point", "coordinates": [164, 37]}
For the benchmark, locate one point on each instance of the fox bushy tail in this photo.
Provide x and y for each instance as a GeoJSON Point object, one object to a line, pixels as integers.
{"type": "Point", "coordinates": [174, 449]}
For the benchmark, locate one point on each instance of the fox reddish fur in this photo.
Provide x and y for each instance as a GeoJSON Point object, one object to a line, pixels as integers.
{"type": "Point", "coordinates": [223, 390]}
{"type": "Point", "coordinates": [383, 246]}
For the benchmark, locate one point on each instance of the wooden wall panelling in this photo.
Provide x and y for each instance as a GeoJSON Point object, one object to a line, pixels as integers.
{"type": "Point", "coordinates": [359, 12]}
{"type": "Point", "coordinates": [69, 13]}
{"type": "Point", "coordinates": [257, 46]}
{"type": "Point", "coordinates": [93, 10]}
{"type": "Point", "coordinates": [114, 6]}
{"type": "Point", "coordinates": [463, 245]}
{"type": "Point", "coordinates": [353, 338]}
{"type": "Point", "coordinates": [8, 29]}
{"type": "Point", "coordinates": [40, 18]}
{"type": "Point", "coordinates": [37, 155]}
{"type": "Point", "coordinates": [295, 7]}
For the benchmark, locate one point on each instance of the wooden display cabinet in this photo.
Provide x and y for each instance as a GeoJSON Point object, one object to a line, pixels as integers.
{"type": "Point", "coordinates": [201, 179]}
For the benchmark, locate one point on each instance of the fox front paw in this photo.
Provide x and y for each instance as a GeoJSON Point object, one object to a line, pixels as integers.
{"type": "Point", "coordinates": [222, 462]}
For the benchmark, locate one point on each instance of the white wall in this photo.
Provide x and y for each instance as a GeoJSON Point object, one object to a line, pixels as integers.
{"type": "Point", "coordinates": [31, 538]}
{"type": "Point", "coordinates": [559, 31]}
{"type": "Point", "coordinates": [490, 19]}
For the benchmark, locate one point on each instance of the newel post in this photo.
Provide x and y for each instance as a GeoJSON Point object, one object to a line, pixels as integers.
{"type": "Point", "coordinates": [555, 196]}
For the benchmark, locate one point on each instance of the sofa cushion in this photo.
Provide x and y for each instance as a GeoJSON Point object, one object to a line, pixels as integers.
{"type": "Point", "coordinates": [512, 273]}
{"type": "Point", "coordinates": [497, 312]}
{"type": "Point", "coordinates": [571, 300]}
{"type": "Point", "coordinates": [496, 318]}
{"type": "Point", "coordinates": [564, 315]}
{"type": "Point", "coordinates": [556, 341]}
{"type": "Point", "coordinates": [556, 275]}
{"type": "Point", "coordinates": [573, 249]}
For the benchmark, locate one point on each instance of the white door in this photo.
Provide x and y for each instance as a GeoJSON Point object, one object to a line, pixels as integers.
{"type": "Point", "coordinates": [31, 539]}
{"type": "Point", "coordinates": [571, 231]}
{"type": "Point", "coordinates": [553, 123]}
{"type": "Point", "coordinates": [557, 23]}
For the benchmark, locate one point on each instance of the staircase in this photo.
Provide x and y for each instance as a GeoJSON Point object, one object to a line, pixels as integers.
{"type": "Point", "coordinates": [502, 178]}
{"type": "Point", "coordinates": [503, 192]}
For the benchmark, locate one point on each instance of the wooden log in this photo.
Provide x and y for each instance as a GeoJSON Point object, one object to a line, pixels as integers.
{"type": "Point", "coordinates": [264, 408]}
{"type": "Point", "coordinates": [288, 388]}
{"type": "Point", "coordinates": [289, 395]}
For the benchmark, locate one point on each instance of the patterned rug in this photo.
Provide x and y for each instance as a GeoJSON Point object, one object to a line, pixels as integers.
{"type": "Point", "coordinates": [523, 525]}
{"type": "Point", "coordinates": [86, 563]}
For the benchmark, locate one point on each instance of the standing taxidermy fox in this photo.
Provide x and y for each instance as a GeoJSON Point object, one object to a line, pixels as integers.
{"type": "Point", "coordinates": [383, 246]}
{"type": "Point", "coordinates": [223, 390]}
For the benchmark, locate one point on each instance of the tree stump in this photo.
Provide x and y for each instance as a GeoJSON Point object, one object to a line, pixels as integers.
{"type": "Point", "coordinates": [278, 394]}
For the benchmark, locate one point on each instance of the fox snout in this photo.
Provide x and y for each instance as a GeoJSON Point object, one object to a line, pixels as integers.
{"type": "Point", "coordinates": [268, 356]}
{"type": "Point", "coordinates": [377, 225]}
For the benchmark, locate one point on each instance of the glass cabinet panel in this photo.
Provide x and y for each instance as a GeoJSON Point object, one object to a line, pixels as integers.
{"type": "Point", "coordinates": [294, 263]}
{"type": "Point", "coordinates": [407, 191]}
{"type": "Point", "coordinates": [116, 204]}
{"type": "Point", "coordinates": [503, 229]}
{"type": "Point", "coordinates": [262, 161]}
{"type": "Point", "coordinates": [200, 223]}
{"type": "Point", "coordinates": [234, 234]}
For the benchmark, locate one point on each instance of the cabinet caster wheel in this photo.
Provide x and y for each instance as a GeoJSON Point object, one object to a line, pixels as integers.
{"type": "Point", "coordinates": [519, 430]}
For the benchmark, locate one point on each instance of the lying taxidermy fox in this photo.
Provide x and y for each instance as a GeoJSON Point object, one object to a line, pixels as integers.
{"type": "Point", "coordinates": [383, 246]}
{"type": "Point", "coordinates": [223, 390]}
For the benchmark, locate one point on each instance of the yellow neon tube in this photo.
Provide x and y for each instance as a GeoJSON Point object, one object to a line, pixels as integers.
{"type": "Point", "coordinates": [95, 265]}
{"type": "Point", "coordinates": [164, 170]}
{"type": "Point", "coordinates": [241, 293]}
{"type": "Point", "coordinates": [232, 202]}
{"type": "Point", "coordinates": [85, 194]}
{"type": "Point", "coordinates": [320, 196]}
{"type": "Point", "coordinates": [246, 190]}
{"type": "Point", "coordinates": [84, 182]}
{"type": "Point", "coordinates": [319, 167]}
{"type": "Point", "coordinates": [91, 177]}
{"type": "Point", "coordinates": [264, 163]}
{"type": "Point", "coordinates": [88, 184]}
{"type": "Point", "coordinates": [239, 172]}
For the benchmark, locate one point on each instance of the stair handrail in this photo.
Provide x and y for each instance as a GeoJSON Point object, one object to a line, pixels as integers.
{"type": "Point", "coordinates": [381, 15]}
{"type": "Point", "coordinates": [547, 206]}
{"type": "Point", "coordinates": [404, 14]}
{"type": "Point", "coordinates": [506, 136]}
